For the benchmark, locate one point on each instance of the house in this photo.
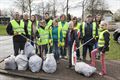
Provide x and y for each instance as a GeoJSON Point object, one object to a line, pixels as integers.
{"type": "Point", "coordinates": [106, 14]}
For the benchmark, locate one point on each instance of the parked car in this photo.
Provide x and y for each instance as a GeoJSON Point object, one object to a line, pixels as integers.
{"type": "Point", "coordinates": [116, 35]}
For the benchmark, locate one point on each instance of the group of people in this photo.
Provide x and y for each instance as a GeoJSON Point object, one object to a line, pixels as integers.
{"type": "Point", "coordinates": [58, 36]}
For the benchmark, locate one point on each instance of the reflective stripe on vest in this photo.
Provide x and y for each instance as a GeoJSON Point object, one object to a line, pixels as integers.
{"type": "Point", "coordinates": [44, 36]}
{"type": "Point", "coordinates": [63, 28]}
{"type": "Point", "coordinates": [101, 40]}
{"type": "Point", "coordinates": [16, 27]}
{"type": "Point", "coordinates": [93, 29]}
{"type": "Point", "coordinates": [28, 27]}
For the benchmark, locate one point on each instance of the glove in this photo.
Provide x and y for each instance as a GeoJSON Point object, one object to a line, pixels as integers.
{"type": "Point", "coordinates": [62, 44]}
{"type": "Point", "coordinates": [16, 33]}
{"type": "Point", "coordinates": [50, 41]}
{"type": "Point", "coordinates": [59, 44]}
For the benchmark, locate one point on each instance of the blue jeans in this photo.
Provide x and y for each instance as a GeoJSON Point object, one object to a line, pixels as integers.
{"type": "Point", "coordinates": [96, 45]}
{"type": "Point", "coordinates": [56, 50]}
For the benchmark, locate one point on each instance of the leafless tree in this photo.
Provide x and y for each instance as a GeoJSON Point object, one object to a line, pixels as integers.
{"type": "Point", "coordinates": [11, 12]}
{"type": "Point", "coordinates": [93, 5]}
{"type": "Point", "coordinates": [29, 3]}
{"type": "Point", "coordinates": [117, 15]}
{"type": "Point", "coordinates": [21, 4]}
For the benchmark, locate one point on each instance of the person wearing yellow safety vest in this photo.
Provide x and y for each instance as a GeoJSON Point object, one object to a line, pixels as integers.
{"type": "Point", "coordinates": [16, 30]}
{"type": "Point", "coordinates": [88, 31]}
{"type": "Point", "coordinates": [56, 37]}
{"type": "Point", "coordinates": [48, 21]}
{"type": "Point", "coordinates": [71, 37]}
{"type": "Point", "coordinates": [35, 23]}
{"type": "Point", "coordinates": [27, 24]}
{"type": "Point", "coordinates": [63, 25]}
{"type": "Point", "coordinates": [43, 38]}
{"type": "Point", "coordinates": [77, 27]}
{"type": "Point", "coordinates": [103, 46]}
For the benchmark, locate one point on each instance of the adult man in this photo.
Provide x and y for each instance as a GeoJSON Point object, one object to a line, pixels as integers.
{"type": "Point", "coordinates": [16, 30]}
{"type": "Point", "coordinates": [88, 31]}
{"type": "Point", "coordinates": [27, 25]}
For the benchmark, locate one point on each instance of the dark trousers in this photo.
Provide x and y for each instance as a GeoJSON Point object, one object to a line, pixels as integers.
{"type": "Point", "coordinates": [56, 50]}
{"type": "Point", "coordinates": [85, 48]}
{"type": "Point", "coordinates": [42, 48]}
{"type": "Point", "coordinates": [63, 49]}
{"type": "Point", "coordinates": [18, 46]}
{"type": "Point", "coordinates": [78, 53]}
{"type": "Point", "coordinates": [70, 55]}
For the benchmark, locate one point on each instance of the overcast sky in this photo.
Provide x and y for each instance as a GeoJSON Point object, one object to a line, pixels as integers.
{"type": "Point", "coordinates": [112, 4]}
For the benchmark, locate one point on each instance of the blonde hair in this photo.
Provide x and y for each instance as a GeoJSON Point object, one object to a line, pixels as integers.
{"type": "Point", "coordinates": [104, 22]}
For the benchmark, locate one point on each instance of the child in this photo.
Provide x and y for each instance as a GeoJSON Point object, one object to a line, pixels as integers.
{"type": "Point", "coordinates": [103, 46]}
{"type": "Point", "coordinates": [56, 38]}
{"type": "Point", "coordinates": [43, 38]}
{"type": "Point", "coordinates": [71, 37]}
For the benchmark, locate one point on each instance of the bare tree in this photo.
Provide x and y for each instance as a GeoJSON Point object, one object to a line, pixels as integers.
{"type": "Point", "coordinates": [117, 15]}
{"type": "Point", "coordinates": [11, 12]}
{"type": "Point", "coordinates": [29, 2]}
{"type": "Point", "coordinates": [67, 4]}
{"type": "Point", "coordinates": [83, 8]}
{"type": "Point", "coordinates": [21, 4]}
{"type": "Point", "coordinates": [93, 5]}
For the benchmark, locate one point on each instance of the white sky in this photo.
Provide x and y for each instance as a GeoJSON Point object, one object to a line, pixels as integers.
{"type": "Point", "coordinates": [112, 4]}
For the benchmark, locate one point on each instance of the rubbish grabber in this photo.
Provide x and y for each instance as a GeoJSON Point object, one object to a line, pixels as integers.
{"type": "Point", "coordinates": [74, 48]}
{"type": "Point", "coordinates": [85, 43]}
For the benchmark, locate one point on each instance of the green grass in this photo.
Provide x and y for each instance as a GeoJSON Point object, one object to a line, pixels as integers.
{"type": "Point", "coordinates": [114, 52]}
{"type": "Point", "coordinates": [3, 30]}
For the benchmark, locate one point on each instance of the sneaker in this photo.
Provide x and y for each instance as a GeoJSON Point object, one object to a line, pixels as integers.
{"type": "Point", "coordinates": [68, 67]}
{"type": "Point", "coordinates": [65, 57]}
{"type": "Point", "coordinates": [102, 74]}
{"type": "Point", "coordinates": [58, 62]}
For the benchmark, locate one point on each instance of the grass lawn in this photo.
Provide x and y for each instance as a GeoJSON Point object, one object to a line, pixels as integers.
{"type": "Point", "coordinates": [114, 52]}
{"type": "Point", "coordinates": [3, 30]}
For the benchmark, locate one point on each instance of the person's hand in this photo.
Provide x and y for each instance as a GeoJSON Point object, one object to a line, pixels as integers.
{"type": "Point", "coordinates": [16, 33]}
{"type": "Point", "coordinates": [59, 44]}
{"type": "Point", "coordinates": [62, 44]}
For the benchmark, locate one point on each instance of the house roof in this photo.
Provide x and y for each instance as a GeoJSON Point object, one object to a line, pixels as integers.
{"type": "Point", "coordinates": [102, 11]}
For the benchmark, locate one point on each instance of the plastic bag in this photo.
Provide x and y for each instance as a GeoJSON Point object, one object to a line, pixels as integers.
{"type": "Point", "coordinates": [29, 50]}
{"type": "Point", "coordinates": [84, 69]}
{"type": "Point", "coordinates": [10, 63]}
{"type": "Point", "coordinates": [35, 63]}
{"type": "Point", "coordinates": [49, 65]}
{"type": "Point", "coordinates": [22, 62]}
